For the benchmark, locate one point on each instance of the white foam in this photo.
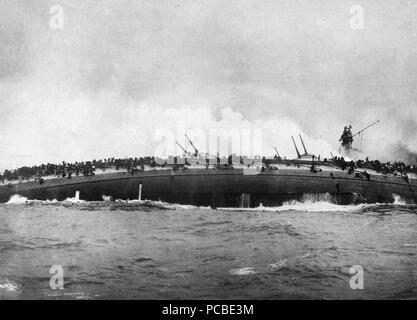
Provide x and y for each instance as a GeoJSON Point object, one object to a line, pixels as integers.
{"type": "Point", "coordinates": [308, 206]}
{"type": "Point", "coordinates": [8, 286]}
{"type": "Point", "coordinates": [319, 206]}
{"type": "Point", "coordinates": [73, 200]}
{"type": "Point", "coordinates": [190, 207]}
{"type": "Point", "coordinates": [17, 199]}
{"type": "Point", "coordinates": [106, 198]}
{"type": "Point", "coordinates": [166, 204]}
{"type": "Point", "coordinates": [243, 272]}
{"type": "Point", "coordinates": [43, 201]}
{"type": "Point", "coordinates": [398, 200]}
{"type": "Point", "coordinates": [278, 264]}
{"type": "Point", "coordinates": [310, 202]}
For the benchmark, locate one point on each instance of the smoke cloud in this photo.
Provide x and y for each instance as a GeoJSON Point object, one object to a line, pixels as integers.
{"type": "Point", "coordinates": [119, 71]}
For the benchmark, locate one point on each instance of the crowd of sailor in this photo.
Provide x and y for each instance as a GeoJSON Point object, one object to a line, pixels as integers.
{"type": "Point", "coordinates": [395, 168]}
{"type": "Point", "coordinates": [132, 165]}
{"type": "Point", "coordinates": [68, 170]}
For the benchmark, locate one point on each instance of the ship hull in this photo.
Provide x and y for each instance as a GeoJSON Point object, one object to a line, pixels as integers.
{"type": "Point", "coordinates": [221, 188]}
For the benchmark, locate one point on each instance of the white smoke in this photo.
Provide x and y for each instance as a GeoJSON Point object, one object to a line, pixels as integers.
{"type": "Point", "coordinates": [119, 71]}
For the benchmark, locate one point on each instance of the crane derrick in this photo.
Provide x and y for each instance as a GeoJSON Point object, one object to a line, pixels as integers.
{"type": "Point", "coordinates": [193, 146]}
{"type": "Point", "coordinates": [347, 136]}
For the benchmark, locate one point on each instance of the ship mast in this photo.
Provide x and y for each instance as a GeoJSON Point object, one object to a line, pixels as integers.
{"type": "Point", "coordinates": [192, 145]}
{"type": "Point", "coordinates": [304, 147]}
{"type": "Point", "coordinates": [183, 149]}
{"type": "Point", "coordinates": [296, 149]}
{"type": "Point", "coordinates": [276, 150]}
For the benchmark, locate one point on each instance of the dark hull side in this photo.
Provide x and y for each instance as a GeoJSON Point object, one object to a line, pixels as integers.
{"type": "Point", "coordinates": [219, 188]}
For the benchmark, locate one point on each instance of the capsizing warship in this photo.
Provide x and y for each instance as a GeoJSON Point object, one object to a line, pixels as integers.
{"type": "Point", "coordinates": [230, 182]}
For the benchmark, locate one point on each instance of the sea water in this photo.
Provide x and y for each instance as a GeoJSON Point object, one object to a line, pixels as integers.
{"type": "Point", "coordinates": [125, 250]}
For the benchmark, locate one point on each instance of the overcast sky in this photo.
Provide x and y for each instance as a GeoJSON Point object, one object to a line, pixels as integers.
{"type": "Point", "coordinates": [120, 70]}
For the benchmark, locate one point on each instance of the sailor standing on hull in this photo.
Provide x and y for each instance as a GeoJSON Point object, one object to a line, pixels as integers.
{"type": "Point", "coordinates": [347, 138]}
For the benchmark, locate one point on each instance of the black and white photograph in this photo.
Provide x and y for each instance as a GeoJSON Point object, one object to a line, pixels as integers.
{"type": "Point", "coordinates": [210, 150]}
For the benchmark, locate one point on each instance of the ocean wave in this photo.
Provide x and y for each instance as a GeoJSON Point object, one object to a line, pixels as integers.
{"type": "Point", "coordinates": [118, 204]}
{"type": "Point", "coordinates": [143, 259]}
{"type": "Point", "coordinates": [278, 264]}
{"type": "Point", "coordinates": [8, 286]}
{"type": "Point", "coordinates": [308, 206]}
{"type": "Point", "coordinates": [243, 271]}
{"type": "Point", "coordinates": [10, 246]}
{"type": "Point", "coordinates": [61, 245]}
{"type": "Point", "coordinates": [212, 223]}
{"type": "Point", "coordinates": [388, 209]}
{"type": "Point", "coordinates": [325, 206]}
{"type": "Point", "coordinates": [17, 199]}
{"type": "Point", "coordinates": [410, 245]}
{"type": "Point", "coordinates": [398, 200]}
{"type": "Point", "coordinates": [305, 205]}
{"type": "Point", "coordinates": [78, 203]}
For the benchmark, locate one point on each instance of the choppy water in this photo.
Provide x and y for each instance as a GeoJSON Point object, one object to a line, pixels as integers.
{"type": "Point", "coordinates": [123, 250]}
